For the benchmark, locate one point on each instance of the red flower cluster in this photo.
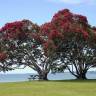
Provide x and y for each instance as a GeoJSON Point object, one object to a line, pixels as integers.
{"type": "Point", "coordinates": [3, 56]}
{"type": "Point", "coordinates": [37, 38]}
{"type": "Point", "coordinates": [12, 26]}
{"type": "Point", "coordinates": [81, 19]}
{"type": "Point", "coordinates": [63, 26]}
{"type": "Point", "coordinates": [19, 30]}
{"type": "Point", "coordinates": [63, 14]}
{"type": "Point", "coordinates": [12, 30]}
{"type": "Point", "coordinates": [33, 46]}
{"type": "Point", "coordinates": [55, 34]}
{"type": "Point", "coordinates": [45, 28]}
{"type": "Point", "coordinates": [85, 34]}
{"type": "Point", "coordinates": [65, 22]}
{"type": "Point", "coordinates": [49, 45]}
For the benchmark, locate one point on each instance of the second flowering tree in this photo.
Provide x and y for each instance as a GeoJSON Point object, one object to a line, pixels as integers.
{"type": "Point", "coordinates": [72, 40]}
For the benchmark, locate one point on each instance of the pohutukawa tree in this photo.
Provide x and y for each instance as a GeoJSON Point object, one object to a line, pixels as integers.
{"type": "Point", "coordinates": [4, 62]}
{"type": "Point", "coordinates": [68, 41]}
{"type": "Point", "coordinates": [23, 44]}
{"type": "Point", "coordinates": [72, 40]}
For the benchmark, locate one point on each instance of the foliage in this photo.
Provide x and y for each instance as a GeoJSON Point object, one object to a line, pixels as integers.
{"type": "Point", "coordinates": [23, 44]}
{"type": "Point", "coordinates": [72, 40]}
{"type": "Point", "coordinates": [67, 41]}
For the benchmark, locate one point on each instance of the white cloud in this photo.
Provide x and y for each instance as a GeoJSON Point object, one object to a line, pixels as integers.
{"type": "Point", "coordinates": [67, 1]}
{"type": "Point", "coordinates": [89, 2]}
{"type": "Point", "coordinates": [71, 1]}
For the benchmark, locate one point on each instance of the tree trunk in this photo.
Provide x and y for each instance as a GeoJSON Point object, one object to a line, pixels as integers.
{"type": "Point", "coordinates": [82, 76]}
{"type": "Point", "coordinates": [43, 76]}
{"type": "Point", "coordinates": [79, 75]}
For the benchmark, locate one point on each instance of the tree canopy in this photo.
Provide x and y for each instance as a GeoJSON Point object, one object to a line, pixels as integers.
{"type": "Point", "coordinates": [24, 47]}
{"type": "Point", "coordinates": [73, 41]}
{"type": "Point", "coordinates": [67, 41]}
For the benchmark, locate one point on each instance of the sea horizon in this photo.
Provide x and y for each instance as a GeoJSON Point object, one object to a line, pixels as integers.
{"type": "Point", "coordinates": [58, 76]}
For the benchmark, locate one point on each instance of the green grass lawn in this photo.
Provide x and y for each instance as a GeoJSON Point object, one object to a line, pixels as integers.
{"type": "Point", "coordinates": [49, 88]}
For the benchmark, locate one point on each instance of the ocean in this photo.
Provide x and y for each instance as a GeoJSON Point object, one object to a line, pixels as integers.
{"type": "Point", "coordinates": [57, 76]}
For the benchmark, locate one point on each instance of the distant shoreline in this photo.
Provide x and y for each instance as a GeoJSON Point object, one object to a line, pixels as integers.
{"type": "Point", "coordinates": [58, 76]}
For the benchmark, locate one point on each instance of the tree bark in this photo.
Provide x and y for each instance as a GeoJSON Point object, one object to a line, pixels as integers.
{"type": "Point", "coordinates": [82, 76]}
{"type": "Point", "coordinates": [79, 75]}
{"type": "Point", "coordinates": [43, 76]}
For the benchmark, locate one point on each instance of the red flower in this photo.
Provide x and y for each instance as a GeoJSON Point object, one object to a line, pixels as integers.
{"type": "Point", "coordinates": [12, 30]}
{"type": "Point", "coordinates": [80, 18]}
{"type": "Point", "coordinates": [3, 56]}
{"type": "Point", "coordinates": [33, 46]}
{"type": "Point", "coordinates": [63, 14]}
{"type": "Point", "coordinates": [85, 34]}
{"type": "Point", "coordinates": [45, 28]}
{"type": "Point", "coordinates": [55, 34]}
{"type": "Point", "coordinates": [37, 37]}
{"type": "Point", "coordinates": [9, 26]}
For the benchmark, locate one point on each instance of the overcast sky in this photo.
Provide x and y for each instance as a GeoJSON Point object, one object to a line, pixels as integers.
{"type": "Point", "coordinates": [41, 11]}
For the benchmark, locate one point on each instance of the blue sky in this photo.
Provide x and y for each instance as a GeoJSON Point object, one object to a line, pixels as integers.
{"type": "Point", "coordinates": [41, 11]}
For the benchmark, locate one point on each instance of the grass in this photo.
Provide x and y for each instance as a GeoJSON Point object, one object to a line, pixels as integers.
{"type": "Point", "coordinates": [49, 88]}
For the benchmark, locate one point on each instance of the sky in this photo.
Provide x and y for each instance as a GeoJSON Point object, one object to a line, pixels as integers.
{"type": "Point", "coordinates": [41, 11]}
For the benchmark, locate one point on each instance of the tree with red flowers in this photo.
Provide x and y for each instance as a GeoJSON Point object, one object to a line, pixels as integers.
{"type": "Point", "coordinates": [24, 47]}
{"type": "Point", "coordinates": [4, 62]}
{"type": "Point", "coordinates": [72, 40]}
